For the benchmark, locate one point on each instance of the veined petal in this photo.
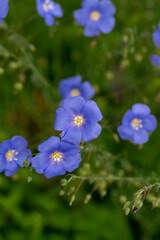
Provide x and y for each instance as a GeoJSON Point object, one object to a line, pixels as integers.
{"type": "Point", "coordinates": [91, 131]}
{"type": "Point", "coordinates": [72, 135]}
{"type": "Point", "coordinates": [62, 120]}
{"type": "Point", "coordinates": [54, 169]}
{"type": "Point", "coordinates": [71, 163]}
{"type": "Point", "coordinates": [40, 162]}
{"type": "Point", "coordinates": [11, 168]}
{"type": "Point", "coordinates": [50, 145]}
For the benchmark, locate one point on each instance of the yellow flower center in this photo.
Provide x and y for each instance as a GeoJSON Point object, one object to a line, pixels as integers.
{"type": "Point", "coordinates": [10, 155]}
{"type": "Point", "coordinates": [57, 157]}
{"type": "Point", "coordinates": [136, 123]}
{"type": "Point", "coordinates": [75, 92]}
{"type": "Point", "coordinates": [95, 15]}
{"type": "Point", "coordinates": [78, 121]}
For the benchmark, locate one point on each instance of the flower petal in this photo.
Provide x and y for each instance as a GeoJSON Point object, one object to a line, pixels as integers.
{"type": "Point", "coordinates": [4, 8]}
{"type": "Point", "coordinates": [127, 118]}
{"type": "Point", "coordinates": [87, 91]}
{"type": "Point", "coordinates": [5, 146]}
{"type": "Point", "coordinates": [2, 163]}
{"type": "Point", "coordinates": [106, 25]}
{"type": "Point", "coordinates": [72, 135]}
{"type": "Point", "coordinates": [107, 7]}
{"type": "Point", "coordinates": [11, 168]}
{"type": "Point", "coordinates": [50, 145]}
{"type": "Point", "coordinates": [92, 112]}
{"type": "Point", "coordinates": [150, 123]}
{"type": "Point", "coordinates": [57, 10]}
{"type": "Point", "coordinates": [140, 137]}
{"type": "Point", "coordinates": [73, 105]}
{"type": "Point", "coordinates": [54, 169]}
{"type": "Point", "coordinates": [24, 154]}
{"type": "Point", "coordinates": [155, 60]}
{"type": "Point", "coordinates": [40, 162]}
{"type": "Point", "coordinates": [71, 163]}
{"type": "Point", "coordinates": [156, 38]}
{"type": "Point", "coordinates": [18, 143]}
{"type": "Point", "coordinates": [91, 131]}
{"type": "Point", "coordinates": [91, 29]}
{"type": "Point", "coordinates": [80, 16]}
{"type": "Point", "coordinates": [49, 20]}
{"type": "Point", "coordinates": [125, 133]}
{"type": "Point", "coordinates": [140, 110]}
{"type": "Point", "coordinates": [62, 120]}
{"type": "Point", "coordinates": [69, 149]}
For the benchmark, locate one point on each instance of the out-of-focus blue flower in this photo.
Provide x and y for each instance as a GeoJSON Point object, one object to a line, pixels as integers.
{"type": "Point", "coordinates": [77, 120]}
{"type": "Point", "coordinates": [136, 124]}
{"type": "Point", "coordinates": [156, 37]}
{"type": "Point", "coordinates": [3, 9]}
{"type": "Point", "coordinates": [155, 60]}
{"type": "Point", "coordinates": [56, 158]}
{"type": "Point", "coordinates": [48, 10]}
{"type": "Point", "coordinates": [96, 16]}
{"type": "Point", "coordinates": [12, 155]}
{"type": "Point", "coordinates": [72, 87]}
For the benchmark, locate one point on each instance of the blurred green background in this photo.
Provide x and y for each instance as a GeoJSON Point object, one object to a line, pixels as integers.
{"type": "Point", "coordinates": [33, 60]}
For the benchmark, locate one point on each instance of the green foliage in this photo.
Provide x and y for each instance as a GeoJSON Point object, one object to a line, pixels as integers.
{"type": "Point", "coordinates": [33, 60]}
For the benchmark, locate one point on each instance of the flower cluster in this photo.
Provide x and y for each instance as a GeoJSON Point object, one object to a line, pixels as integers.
{"type": "Point", "coordinates": [77, 119]}
{"type": "Point", "coordinates": [3, 9]}
{"type": "Point", "coordinates": [155, 59]}
{"type": "Point", "coordinates": [48, 9]}
{"type": "Point", "coordinates": [136, 124]}
{"type": "Point", "coordinates": [96, 16]}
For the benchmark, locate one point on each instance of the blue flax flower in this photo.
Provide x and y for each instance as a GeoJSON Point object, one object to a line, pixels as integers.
{"type": "Point", "coordinates": [136, 124]}
{"type": "Point", "coordinates": [56, 158]}
{"type": "Point", "coordinates": [77, 120]}
{"type": "Point", "coordinates": [155, 60]}
{"type": "Point", "coordinates": [3, 9]}
{"type": "Point", "coordinates": [12, 155]}
{"type": "Point", "coordinates": [48, 10]}
{"type": "Point", "coordinates": [72, 87]}
{"type": "Point", "coordinates": [156, 37]}
{"type": "Point", "coordinates": [96, 16]}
